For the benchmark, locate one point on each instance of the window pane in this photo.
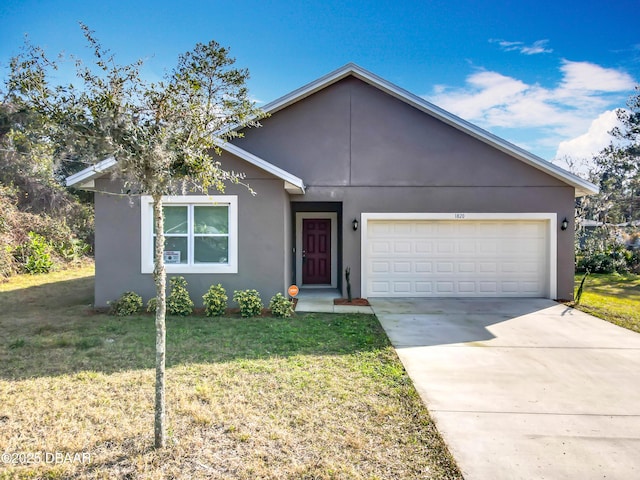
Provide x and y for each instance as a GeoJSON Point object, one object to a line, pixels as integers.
{"type": "Point", "coordinates": [175, 219]}
{"type": "Point", "coordinates": [175, 250]}
{"type": "Point", "coordinates": [211, 250]}
{"type": "Point", "coordinates": [211, 219]}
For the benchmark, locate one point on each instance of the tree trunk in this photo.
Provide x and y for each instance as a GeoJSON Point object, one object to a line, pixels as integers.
{"type": "Point", "coordinates": [160, 277]}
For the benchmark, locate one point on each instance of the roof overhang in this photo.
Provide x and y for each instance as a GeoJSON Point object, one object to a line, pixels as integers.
{"type": "Point", "coordinates": [582, 187]}
{"type": "Point", "coordinates": [292, 184]}
{"type": "Point", "coordinates": [85, 179]}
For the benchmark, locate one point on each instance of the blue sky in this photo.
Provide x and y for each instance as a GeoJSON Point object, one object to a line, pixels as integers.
{"type": "Point", "coordinates": [544, 75]}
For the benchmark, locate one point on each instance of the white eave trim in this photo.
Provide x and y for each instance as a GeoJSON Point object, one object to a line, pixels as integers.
{"type": "Point", "coordinates": [582, 187]}
{"type": "Point", "coordinates": [85, 179]}
{"type": "Point", "coordinates": [292, 184]}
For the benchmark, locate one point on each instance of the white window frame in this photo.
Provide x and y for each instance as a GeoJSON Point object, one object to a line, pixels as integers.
{"type": "Point", "coordinates": [146, 233]}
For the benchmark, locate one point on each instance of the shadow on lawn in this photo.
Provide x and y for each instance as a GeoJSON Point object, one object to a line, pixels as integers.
{"type": "Point", "coordinates": [36, 300]}
{"type": "Point", "coordinates": [50, 330]}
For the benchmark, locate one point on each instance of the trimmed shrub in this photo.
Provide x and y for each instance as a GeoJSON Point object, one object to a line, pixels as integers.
{"type": "Point", "coordinates": [249, 302]}
{"type": "Point", "coordinates": [179, 302]}
{"type": "Point", "coordinates": [129, 303]}
{"type": "Point", "coordinates": [152, 305]}
{"type": "Point", "coordinates": [280, 306]}
{"type": "Point", "coordinates": [215, 301]}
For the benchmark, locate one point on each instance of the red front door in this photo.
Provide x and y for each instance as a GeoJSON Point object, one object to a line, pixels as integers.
{"type": "Point", "coordinates": [316, 251]}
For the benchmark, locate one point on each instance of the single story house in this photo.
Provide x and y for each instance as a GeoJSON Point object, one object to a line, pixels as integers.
{"type": "Point", "coordinates": [353, 171]}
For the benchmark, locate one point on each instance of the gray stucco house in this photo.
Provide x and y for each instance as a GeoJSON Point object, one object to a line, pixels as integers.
{"type": "Point", "coordinates": [353, 171]}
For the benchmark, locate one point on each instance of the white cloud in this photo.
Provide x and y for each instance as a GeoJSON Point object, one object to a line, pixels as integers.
{"type": "Point", "coordinates": [583, 148]}
{"type": "Point", "coordinates": [539, 46]}
{"type": "Point", "coordinates": [550, 116]}
{"type": "Point", "coordinates": [587, 77]}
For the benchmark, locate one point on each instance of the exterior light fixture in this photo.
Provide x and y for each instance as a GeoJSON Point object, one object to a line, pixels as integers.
{"type": "Point", "coordinates": [565, 224]}
{"type": "Point", "coordinates": [355, 224]}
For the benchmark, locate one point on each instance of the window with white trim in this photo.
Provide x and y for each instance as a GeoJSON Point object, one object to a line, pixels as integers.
{"type": "Point", "coordinates": [201, 234]}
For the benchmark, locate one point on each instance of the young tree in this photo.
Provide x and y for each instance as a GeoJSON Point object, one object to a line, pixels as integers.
{"type": "Point", "coordinates": [161, 134]}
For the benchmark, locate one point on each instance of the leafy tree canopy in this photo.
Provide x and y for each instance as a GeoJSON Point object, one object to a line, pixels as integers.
{"type": "Point", "coordinates": [161, 134]}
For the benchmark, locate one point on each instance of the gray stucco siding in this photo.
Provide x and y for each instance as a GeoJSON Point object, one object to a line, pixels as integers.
{"type": "Point", "coordinates": [261, 243]}
{"type": "Point", "coordinates": [358, 200]}
{"type": "Point", "coordinates": [351, 133]}
{"type": "Point", "coordinates": [354, 144]}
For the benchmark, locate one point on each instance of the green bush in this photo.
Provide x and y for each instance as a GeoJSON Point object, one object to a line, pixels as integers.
{"type": "Point", "coordinates": [215, 301]}
{"type": "Point", "coordinates": [249, 302]}
{"type": "Point", "coordinates": [280, 306]}
{"type": "Point", "coordinates": [34, 255]}
{"type": "Point", "coordinates": [603, 252]}
{"type": "Point", "coordinates": [178, 301]}
{"type": "Point", "coordinates": [129, 303]}
{"type": "Point", "coordinates": [72, 249]}
{"type": "Point", "coordinates": [152, 305]}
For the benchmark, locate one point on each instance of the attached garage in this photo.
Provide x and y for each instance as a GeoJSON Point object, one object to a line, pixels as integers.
{"type": "Point", "coordinates": [459, 255]}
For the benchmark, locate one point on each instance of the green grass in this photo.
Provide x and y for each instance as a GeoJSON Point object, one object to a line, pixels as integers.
{"type": "Point", "coordinates": [316, 396]}
{"type": "Point", "coordinates": [612, 297]}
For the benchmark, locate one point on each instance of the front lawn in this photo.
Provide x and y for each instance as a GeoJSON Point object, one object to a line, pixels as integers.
{"type": "Point", "coordinates": [612, 297]}
{"type": "Point", "coordinates": [318, 396]}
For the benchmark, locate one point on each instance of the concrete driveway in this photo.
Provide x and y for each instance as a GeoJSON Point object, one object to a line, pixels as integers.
{"type": "Point", "coordinates": [523, 388]}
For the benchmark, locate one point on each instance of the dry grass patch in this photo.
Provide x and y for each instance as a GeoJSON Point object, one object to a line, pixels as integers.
{"type": "Point", "coordinates": [318, 396]}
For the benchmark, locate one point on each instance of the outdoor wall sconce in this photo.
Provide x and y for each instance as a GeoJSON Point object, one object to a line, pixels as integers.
{"type": "Point", "coordinates": [565, 224]}
{"type": "Point", "coordinates": [355, 224]}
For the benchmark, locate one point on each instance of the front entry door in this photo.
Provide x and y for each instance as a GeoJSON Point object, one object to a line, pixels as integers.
{"type": "Point", "coordinates": [316, 251]}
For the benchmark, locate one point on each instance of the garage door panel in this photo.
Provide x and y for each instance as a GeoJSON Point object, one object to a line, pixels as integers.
{"type": "Point", "coordinates": [453, 258]}
{"type": "Point", "coordinates": [466, 267]}
{"type": "Point", "coordinates": [402, 267]}
{"type": "Point", "coordinates": [380, 267]}
{"type": "Point", "coordinates": [444, 287]}
{"type": "Point", "coordinates": [423, 267]}
{"type": "Point", "coordinates": [423, 287]}
{"type": "Point", "coordinates": [402, 247]}
{"type": "Point", "coordinates": [380, 247]}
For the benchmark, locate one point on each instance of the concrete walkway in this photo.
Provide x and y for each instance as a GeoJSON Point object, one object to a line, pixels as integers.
{"type": "Point", "coordinates": [523, 388]}
{"type": "Point", "coordinates": [321, 300]}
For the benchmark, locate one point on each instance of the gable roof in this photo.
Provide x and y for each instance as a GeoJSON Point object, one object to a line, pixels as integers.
{"type": "Point", "coordinates": [85, 179]}
{"type": "Point", "coordinates": [582, 187]}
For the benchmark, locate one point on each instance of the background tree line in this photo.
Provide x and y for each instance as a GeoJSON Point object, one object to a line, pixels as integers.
{"type": "Point", "coordinates": [43, 224]}
{"type": "Point", "coordinates": [608, 224]}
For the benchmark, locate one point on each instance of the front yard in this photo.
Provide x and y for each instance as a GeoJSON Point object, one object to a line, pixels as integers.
{"type": "Point", "coordinates": [612, 297]}
{"type": "Point", "coordinates": [318, 396]}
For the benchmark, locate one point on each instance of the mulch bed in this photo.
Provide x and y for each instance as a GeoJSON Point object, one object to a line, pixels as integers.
{"type": "Point", "coordinates": [358, 302]}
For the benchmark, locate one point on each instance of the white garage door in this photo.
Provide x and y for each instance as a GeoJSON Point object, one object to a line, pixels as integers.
{"type": "Point", "coordinates": [443, 258]}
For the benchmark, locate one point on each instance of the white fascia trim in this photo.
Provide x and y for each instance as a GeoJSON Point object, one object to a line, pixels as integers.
{"type": "Point", "coordinates": [551, 218]}
{"type": "Point", "coordinates": [582, 187]}
{"type": "Point", "coordinates": [146, 233]}
{"type": "Point", "coordinates": [85, 178]}
{"type": "Point", "coordinates": [288, 178]}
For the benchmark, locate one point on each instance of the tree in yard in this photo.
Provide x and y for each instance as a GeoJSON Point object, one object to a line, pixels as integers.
{"type": "Point", "coordinates": [161, 134]}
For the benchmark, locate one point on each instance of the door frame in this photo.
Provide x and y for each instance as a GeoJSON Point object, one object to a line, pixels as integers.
{"type": "Point", "coordinates": [333, 216]}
